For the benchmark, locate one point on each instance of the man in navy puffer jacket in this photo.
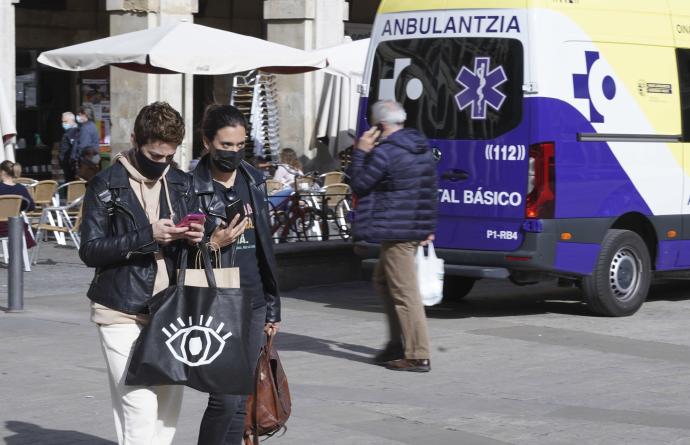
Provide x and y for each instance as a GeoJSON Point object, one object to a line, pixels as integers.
{"type": "Point", "coordinates": [395, 182]}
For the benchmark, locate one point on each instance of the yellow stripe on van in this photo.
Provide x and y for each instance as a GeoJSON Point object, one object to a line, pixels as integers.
{"type": "Point", "coordinates": [432, 5]}
{"type": "Point", "coordinates": [607, 7]}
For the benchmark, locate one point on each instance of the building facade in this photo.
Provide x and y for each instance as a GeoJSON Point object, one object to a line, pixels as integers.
{"type": "Point", "coordinates": [41, 93]}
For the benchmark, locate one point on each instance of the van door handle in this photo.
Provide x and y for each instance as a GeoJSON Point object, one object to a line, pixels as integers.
{"type": "Point", "coordinates": [455, 175]}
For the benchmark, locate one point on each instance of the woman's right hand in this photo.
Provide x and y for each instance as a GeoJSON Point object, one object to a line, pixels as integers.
{"type": "Point", "coordinates": [224, 236]}
{"type": "Point", "coordinates": [165, 232]}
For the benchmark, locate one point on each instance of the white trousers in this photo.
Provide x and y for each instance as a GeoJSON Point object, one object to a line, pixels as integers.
{"type": "Point", "coordinates": [143, 415]}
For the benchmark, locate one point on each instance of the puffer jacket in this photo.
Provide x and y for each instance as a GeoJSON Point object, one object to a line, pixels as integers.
{"type": "Point", "coordinates": [117, 238]}
{"type": "Point", "coordinates": [396, 189]}
{"type": "Point", "coordinates": [204, 198]}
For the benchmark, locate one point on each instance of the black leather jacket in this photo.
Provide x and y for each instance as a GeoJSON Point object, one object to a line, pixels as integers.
{"type": "Point", "coordinates": [117, 239]}
{"type": "Point", "coordinates": [207, 202]}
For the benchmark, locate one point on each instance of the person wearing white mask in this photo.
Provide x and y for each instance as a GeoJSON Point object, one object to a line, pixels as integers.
{"type": "Point", "coordinates": [68, 144]}
{"type": "Point", "coordinates": [88, 133]}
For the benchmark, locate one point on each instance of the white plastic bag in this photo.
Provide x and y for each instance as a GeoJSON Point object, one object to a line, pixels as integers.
{"type": "Point", "coordinates": [429, 276]}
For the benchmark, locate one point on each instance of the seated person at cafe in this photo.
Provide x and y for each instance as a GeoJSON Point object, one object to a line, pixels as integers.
{"type": "Point", "coordinates": [9, 187]}
{"type": "Point", "coordinates": [288, 168]}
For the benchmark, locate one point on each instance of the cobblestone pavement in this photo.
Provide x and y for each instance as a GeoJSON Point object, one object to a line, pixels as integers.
{"type": "Point", "coordinates": [511, 365]}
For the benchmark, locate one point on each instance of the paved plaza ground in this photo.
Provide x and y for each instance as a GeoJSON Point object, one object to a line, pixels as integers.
{"type": "Point", "coordinates": [511, 365]}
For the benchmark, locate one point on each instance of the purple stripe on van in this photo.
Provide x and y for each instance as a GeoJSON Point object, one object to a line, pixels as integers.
{"type": "Point", "coordinates": [673, 255]}
{"type": "Point", "coordinates": [576, 257]}
{"type": "Point", "coordinates": [590, 181]}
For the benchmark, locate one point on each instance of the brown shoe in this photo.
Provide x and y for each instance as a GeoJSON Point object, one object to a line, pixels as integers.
{"type": "Point", "coordinates": [410, 364]}
{"type": "Point", "coordinates": [393, 351]}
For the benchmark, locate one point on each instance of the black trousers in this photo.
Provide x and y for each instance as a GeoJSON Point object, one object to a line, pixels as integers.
{"type": "Point", "coordinates": [223, 421]}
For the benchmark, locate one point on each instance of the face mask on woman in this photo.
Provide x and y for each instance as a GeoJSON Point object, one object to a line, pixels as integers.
{"type": "Point", "coordinates": [80, 119]}
{"type": "Point", "coordinates": [66, 126]}
{"type": "Point", "coordinates": [227, 161]}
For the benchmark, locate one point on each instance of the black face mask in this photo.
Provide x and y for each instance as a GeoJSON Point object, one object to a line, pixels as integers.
{"type": "Point", "coordinates": [147, 167]}
{"type": "Point", "coordinates": [227, 161]}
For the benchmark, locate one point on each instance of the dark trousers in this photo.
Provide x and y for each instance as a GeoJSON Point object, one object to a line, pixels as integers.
{"type": "Point", "coordinates": [68, 170]}
{"type": "Point", "coordinates": [223, 421]}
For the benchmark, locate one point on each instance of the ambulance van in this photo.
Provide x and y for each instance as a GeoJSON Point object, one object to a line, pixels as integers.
{"type": "Point", "coordinates": [562, 134]}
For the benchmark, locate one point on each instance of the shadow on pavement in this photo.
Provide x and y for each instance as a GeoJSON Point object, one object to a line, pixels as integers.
{"type": "Point", "coordinates": [489, 298]}
{"type": "Point", "coordinates": [296, 342]}
{"type": "Point", "coordinates": [29, 433]}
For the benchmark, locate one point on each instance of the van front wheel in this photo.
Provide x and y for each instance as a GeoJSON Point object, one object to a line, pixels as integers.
{"type": "Point", "coordinates": [456, 288]}
{"type": "Point", "coordinates": [620, 281]}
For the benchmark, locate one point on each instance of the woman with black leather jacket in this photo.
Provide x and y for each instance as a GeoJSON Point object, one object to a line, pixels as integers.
{"type": "Point", "coordinates": [222, 177]}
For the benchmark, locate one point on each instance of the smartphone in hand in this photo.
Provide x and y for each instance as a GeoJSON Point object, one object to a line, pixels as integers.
{"type": "Point", "coordinates": [234, 208]}
{"type": "Point", "coordinates": [197, 218]}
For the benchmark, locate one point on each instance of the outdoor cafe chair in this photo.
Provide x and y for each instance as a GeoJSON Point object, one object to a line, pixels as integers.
{"type": "Point", "coordinates": [337, 207]}
{"type": "Point", "coordinates": [10, 206]}
{"type": "Point", "coordinates": [75, 189]}
{"type": "Point", "coordinates": [42, 193]}
{"type": "Point", "coordinates": [304, 183]}
{"type": "Point", "coordinates": [273, 185]}
{"type": "Point", "coordinates": [47, 224]}
{"type": "Point", "coordinates": [331, 178]}
{"type": "Point", "coordinates": [25, 181]}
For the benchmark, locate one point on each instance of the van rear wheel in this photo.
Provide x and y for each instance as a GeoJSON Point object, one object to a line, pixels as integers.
{"type": "Point", "coordinates": [620, 281]}
{"type": "Point", "coordinates": [456, 288]}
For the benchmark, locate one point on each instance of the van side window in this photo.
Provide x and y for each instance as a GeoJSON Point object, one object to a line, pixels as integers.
{"type": "Point", "coordinates": [683, 59]}
{"type": "Point", "coordinates": [452, 88]}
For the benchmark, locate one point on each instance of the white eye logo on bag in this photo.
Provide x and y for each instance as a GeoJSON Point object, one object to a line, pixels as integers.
{"type": "Point", "coordinates": [193, 345]}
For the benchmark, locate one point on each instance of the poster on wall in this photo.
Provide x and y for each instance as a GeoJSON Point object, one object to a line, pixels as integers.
{"type": "Point", "coordinates": [95, 93]}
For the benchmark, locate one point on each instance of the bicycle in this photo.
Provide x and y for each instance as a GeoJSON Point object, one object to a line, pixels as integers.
{"type": "Point", "coordinates": [294, 215]}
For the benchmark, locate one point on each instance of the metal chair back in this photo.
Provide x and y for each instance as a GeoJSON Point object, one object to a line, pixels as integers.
{"type": "Point", "coordinates": [25, 181]}
{"type": "Point", "coordinates": [335, 193]}
{"type": "Point", "coordinates": [331, 178]}
{"type": "Point", "coordinates": [10, 205]}
{"type": "Point", "coordinates": [304, 183]}
{"type": "Point", "coordinates": [43, 192]}
{"type": "Point", "coordinates": [273, 186]}
{"type": "Point", "coordinates": [75, 189]}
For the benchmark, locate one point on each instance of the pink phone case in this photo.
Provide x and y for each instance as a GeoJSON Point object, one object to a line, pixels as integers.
{"type": "Point", "coordinates": [192, 218]}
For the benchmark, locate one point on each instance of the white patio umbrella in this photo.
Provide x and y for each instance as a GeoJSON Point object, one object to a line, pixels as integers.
{"type": "Point", "coordinates": [183, 47]}
{"type": "Point", "coordinates": [7, 128]}
{"type": "Point", "coordinates": [337, 114]}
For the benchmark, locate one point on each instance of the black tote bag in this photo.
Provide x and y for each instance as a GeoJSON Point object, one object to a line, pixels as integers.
{"type": "Point", "coordinates": [197, 337]}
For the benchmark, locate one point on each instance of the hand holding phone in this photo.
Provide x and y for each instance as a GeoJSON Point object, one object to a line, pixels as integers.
{"type": "Point", "coordinates": [368, 139]}
{"type": "Point", "coordinates": [233, 209]}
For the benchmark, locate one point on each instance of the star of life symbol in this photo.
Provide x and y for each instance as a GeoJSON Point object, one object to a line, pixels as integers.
{"type": "Point", "coordinates": [481, 87]}
{"type": "Point", "coordinates": [193, 344]}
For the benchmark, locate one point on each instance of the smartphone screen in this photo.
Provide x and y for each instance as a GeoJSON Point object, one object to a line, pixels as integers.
{"type": "Point", "coordinates": [234, 208]}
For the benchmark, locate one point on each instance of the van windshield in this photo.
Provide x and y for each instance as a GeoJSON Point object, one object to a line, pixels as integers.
{"type": "Point", "coordinates": [452, 88]}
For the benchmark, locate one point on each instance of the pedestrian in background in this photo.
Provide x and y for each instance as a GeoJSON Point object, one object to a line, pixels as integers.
{"type": "Point", "coordinates": [393, 174]}
{"type": "Point", "coordinates": [68, 144]}
{"type": "Point", "coordinates": [221, 177]}
{"type": "Point", "coordinates": [88, 135]}
{"type": "Point", "coordinates": [128, 234]}
{"type": "Point", "coordinates": [89, 163]}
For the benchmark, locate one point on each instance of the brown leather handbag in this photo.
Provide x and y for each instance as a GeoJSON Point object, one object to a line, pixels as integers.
{"type": "Point", "coordinates": [268, 409]}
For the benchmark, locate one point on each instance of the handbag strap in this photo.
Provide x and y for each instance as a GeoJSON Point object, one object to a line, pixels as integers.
{"type": "Point", "coordinates": [208, 267]}
{"type": "Point", "coordinates": [214, 250]}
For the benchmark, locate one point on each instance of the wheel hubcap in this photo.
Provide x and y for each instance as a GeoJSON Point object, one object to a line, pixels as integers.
{"type": "Point", "coordinates": [624, 276]}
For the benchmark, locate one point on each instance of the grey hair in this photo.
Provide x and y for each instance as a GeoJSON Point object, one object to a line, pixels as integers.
{"type": "Point", "coordinates": [69, 115]}
{"type": "Point", "coordinates": [388, 111]}
{"type": "Point", "coordinates": [88, 111]}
